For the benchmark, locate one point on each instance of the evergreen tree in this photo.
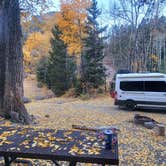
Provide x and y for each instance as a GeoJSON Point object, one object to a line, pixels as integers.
{"type": "Point", "coordinates": [92, 60]}
{"type": "Point", "coordinates": [58, 70]}
{"type": "Point", "coordinates": [42, 71]}
{"type": "Point", "coordinates": [57, 64]}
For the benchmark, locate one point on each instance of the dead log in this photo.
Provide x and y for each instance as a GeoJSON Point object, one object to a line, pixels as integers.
{"type": "Point", "coordinates": [139, 119]}
{"type": "Point", "coordinates": [78, 127]}
{"type": "Point", "coordinates": [145, 121]}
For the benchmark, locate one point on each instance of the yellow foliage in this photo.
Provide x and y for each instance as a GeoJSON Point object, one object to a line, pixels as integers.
{"type": "Point", "coordinates": [37, 40]}
{"type": "Point", "coordinates": [71, 21]}
{"type": "Point", "coordinates": [154, 58]}
{"type": "Point", "coordinates": [27, 57]}
{"type": "Point", "coordinates": [36, 46]}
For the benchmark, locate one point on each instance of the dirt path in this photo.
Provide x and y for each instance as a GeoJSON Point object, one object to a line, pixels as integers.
{"type": "Point", "coordinates": [31, 90]}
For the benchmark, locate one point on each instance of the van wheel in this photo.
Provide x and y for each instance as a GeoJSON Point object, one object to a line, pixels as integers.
{"type": "Point", "coordinates": [130, 105]}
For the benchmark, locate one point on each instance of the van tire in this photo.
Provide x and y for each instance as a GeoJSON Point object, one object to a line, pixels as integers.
{"type": "Point", "coordinates": [130, 105]}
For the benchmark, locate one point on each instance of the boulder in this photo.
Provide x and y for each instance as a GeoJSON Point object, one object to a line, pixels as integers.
{"type": "Point", "coordinates": [149, 125]}
{"type": "Point", "coordinates": [39, 85]}
{"type": "Point", "coordinates": [39, 98]}
{"type": "Point", "coordinates": [26, 100]}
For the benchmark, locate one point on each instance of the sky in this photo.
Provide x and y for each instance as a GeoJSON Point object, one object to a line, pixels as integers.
{"type": "Point", "coordinates": [102, 4]}
{"type": "Point", "coordinates": [105, 6]}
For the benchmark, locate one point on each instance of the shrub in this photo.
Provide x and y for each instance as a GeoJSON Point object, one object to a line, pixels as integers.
{"type": "Point", "coordinates": [78, 87]}
{"type": "Point", "coordinates": [39, 85]}
{"type": "Point", "coordinates": [84, 96]}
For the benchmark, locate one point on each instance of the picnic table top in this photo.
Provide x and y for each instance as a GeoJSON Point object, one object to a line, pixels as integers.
{"type": "Point", "coordinates": [65, 145]}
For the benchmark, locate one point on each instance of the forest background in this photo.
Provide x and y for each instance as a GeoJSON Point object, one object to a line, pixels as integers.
{"type": "Point", "coordinates": [134, 40]}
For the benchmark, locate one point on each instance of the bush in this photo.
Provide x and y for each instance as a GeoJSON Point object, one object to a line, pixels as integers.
{"type": "Point", "coordinates": [84, 96]}
{"type": "Point", "coordinates": [100, 90]}
{"type": "Point", "coordinates": [42, 71]}
{"type": "Point", "coordinates": [39, 85]}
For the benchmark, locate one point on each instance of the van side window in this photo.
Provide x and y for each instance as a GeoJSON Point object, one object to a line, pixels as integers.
{"type": "Point", "coordinates": [155, 86]}
{"type": "Point", "coordinates": [132, 85]}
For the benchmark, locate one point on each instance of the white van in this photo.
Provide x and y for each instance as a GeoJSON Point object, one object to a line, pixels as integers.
{"type": "Point", "coordinates": [141, 90]}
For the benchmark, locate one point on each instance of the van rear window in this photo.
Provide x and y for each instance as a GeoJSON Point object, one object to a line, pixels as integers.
{"type": "Point", "coordinates": [132, 85]}
{"type": "Point", "coordinates": [155, 86]}
{"type": "Point", "coordinates": [148, 86]}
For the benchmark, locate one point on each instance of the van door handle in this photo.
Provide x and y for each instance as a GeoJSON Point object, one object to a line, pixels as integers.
{"type": "Point", "coordinates": [164, 94]}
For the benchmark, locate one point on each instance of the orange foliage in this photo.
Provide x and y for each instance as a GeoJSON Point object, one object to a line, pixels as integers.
{"type": "Point", "coordinates": [71, 21]}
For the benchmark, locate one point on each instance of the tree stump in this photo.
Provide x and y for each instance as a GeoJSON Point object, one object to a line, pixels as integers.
{"type": "Point", "coordinates": [160, 130]}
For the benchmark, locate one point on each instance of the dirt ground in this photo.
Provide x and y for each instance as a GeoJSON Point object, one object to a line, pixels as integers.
{"type": "Point", "coordinates": [137, 145]}
{"type": "Point", "coordinates": [31, 90]}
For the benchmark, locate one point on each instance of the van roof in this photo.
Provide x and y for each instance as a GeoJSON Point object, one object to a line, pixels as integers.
{"type": "Point", "coordinates": [141, 75]}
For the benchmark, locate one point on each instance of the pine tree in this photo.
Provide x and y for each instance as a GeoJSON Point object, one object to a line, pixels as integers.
{"type": "Point", "coordinates": [57, 64]}
{"type": "Point", "coordinates": [92, 60]}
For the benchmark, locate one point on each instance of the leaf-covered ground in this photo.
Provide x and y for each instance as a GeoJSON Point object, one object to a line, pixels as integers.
{"type": "Point", "coordinates": [137, 145]}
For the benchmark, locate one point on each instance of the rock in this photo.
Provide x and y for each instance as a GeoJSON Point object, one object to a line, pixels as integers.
{"type": "Point", "coordinates": [39, 97]}
{"type": "Point", "coordinates": [59, 102]}
{"type": "Point", "coordinates": [39, 85]}
{"type": "Point", "coordinates": [160, 130]}
{"type": "Point", "coordinates": [26, 100]}
{"type": "Point", "coordinates": [47, 116]}
{"type": "Point", "coordinates": [149, 125]}
{"type": "Point", "coordinates": [49, 96]}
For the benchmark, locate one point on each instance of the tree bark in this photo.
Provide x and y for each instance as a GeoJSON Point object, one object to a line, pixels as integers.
{"type": "Point", "coordinates": [11, 63]}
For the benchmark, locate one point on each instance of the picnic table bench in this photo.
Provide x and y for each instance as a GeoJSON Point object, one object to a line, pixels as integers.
{"type": "Point", "coordinates": [55, 145]}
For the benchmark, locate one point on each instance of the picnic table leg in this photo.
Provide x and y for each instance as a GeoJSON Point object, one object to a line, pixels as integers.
{"type": "Point", "coordinates": [7, 162]}
{"type": "Point", "coordinates": [72, 163]}
{"type": "Point", "coordinates": [55, 162]}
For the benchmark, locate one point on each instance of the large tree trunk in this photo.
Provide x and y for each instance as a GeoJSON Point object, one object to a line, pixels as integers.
{"type": "Point", "coordinates": [11, 63]}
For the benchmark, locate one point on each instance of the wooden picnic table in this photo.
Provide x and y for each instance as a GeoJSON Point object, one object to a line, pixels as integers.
{"type": "Point", "coordinates": [55, 145]}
